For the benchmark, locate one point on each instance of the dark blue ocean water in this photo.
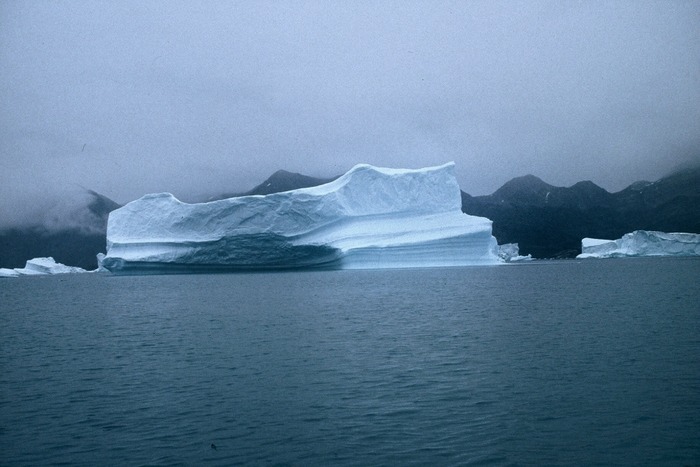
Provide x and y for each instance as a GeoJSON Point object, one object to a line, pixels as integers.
{"type": "Point", "coordinates": [572, 362]}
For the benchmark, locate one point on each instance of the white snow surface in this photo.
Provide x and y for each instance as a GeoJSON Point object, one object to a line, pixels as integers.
{"type": "Point", "coordinates": [642, 243]}
{"type": "Point", "coordinates": [368, 218]}
{"type": "Point", "coordinates": [40, 266]}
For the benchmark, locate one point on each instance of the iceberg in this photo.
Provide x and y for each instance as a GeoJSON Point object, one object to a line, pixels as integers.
{"type": "Point", "coordinates": [510, 253]}
{"type": "Point", "coordinates": [40, 266]}
{"type": "Point", "coordinates": [642, 243]}
{"type": "Point", "coordinates": [6, 272]}
{"type": "Point", "coordinates": [368, 218]}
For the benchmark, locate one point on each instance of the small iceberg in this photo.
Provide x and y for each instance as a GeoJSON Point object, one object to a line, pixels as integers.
{"type": "Point", "coordinates": [510, 253]}
{"type": "Point", "coordinates": [40, 266]}
{"type": "Point", "coordinates": [642, 243]}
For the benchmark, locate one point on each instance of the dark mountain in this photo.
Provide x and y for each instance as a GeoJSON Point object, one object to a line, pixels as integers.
{"type": "Point", "coordinates": [531, 191]}
{"type": "Point", "coordinates": [545, 220]}
{"type": "Point", "coordinates": [284, 181]}
{"type": "Point", "coordinates": [278, 182]}
{"type": "Point", "coordinates": [523, 190]}
{"type": "Point", "coordinates": [671, 204]}
{"type": "Point", "coordinates": [549, 222]}
{"type": "Point", "coordinates": [73, 232]}
{"type": "Point", "coordinates": [100, 206]}
{"type": "Point", "coordinates": [73, 247]}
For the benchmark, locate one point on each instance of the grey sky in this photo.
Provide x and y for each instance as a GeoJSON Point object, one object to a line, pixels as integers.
{"type": "Point", "coordinates": [132, 97]}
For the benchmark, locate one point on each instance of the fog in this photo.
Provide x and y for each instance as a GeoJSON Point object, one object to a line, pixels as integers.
{"type": "Point", "coordinates": [196, 98]}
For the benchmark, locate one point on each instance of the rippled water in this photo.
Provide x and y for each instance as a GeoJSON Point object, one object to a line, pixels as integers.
{"type": "Point", "coordinates": [546, 363]}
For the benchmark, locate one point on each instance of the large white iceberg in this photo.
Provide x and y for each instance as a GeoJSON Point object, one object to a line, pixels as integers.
{"type": "Point", "coordinates": [642, 243]}
{"type": "Point", "coordinates": [40, 266]}
{"type": "Point", "coordinates": [368, 218]}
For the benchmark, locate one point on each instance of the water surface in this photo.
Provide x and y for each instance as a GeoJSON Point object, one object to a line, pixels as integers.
{"type": "Point", "coordinates": [571, 362]}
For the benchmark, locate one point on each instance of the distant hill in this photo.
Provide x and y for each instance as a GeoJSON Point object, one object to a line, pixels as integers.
{"type": "Point", "coordinates": [284, 181]}
{"type": "Point", "coordinates": [278, 182]}
{"type": "Point", "coordinates": [73, 232]}
{"type": "Point", "coordinates": [545, 220]}
{"type": "Point", "coordinates": [549, 222]}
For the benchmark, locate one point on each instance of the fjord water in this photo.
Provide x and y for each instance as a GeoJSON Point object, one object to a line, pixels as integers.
{"type": "Point", "coordinates": [572, 362]}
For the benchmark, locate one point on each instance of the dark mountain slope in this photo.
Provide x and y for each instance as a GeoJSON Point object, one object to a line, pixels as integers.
{"type": "Point", "coordinates": [671, 204]}
{"type": "Point", "coordinates": [524, 190]}
{"type": "Point", "coordinates": [549, 222]}
{"type": "Point", "coordinates": [545, 220]}
{"type": "Point", "coordinates": [284, 181]}
{"type": "Point", "coordinates": [278, 182]}
{"type": "Point", "coordinates": [73, 247]}
{"type": "Point", "coordinates": [73, 232]}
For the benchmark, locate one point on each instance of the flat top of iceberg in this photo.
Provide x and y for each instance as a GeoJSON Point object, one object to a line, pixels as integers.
{"type": "Point", "coordinates": [589, 242]}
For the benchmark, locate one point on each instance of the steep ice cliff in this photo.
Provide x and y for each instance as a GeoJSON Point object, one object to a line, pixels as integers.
{"type": "Point", "coordinates": [368, 218]}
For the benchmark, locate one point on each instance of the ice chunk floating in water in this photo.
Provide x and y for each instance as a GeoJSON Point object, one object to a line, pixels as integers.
{"type": "Point", "coordinates": [510, 253]}
{"type": "Point", "coordinates": [642, 243]}
{"type": "Point", "coordinates": [368, 218]}
{"type": "Point", "coordinates": [39, 266]}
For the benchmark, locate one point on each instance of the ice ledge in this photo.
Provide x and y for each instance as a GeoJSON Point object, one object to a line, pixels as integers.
{"type": "Point", "coordinates": [40, 266]}
{"type": "Point", "coordinates": [642, 243]}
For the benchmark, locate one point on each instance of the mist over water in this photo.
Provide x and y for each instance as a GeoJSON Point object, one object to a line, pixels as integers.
{"type": "Point", "coordinates": [577, 362]}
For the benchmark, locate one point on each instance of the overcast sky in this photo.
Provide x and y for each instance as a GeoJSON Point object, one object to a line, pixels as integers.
{"type": "Point", "coordinates": [131, 97]}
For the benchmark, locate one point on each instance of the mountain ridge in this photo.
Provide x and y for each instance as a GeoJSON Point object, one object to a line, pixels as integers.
{"type": "Point", "coordinates": [73, 234]}
{"type": "Point", "coordinates": [545, 220]}
{"type": "Point", "coordinates": [549, 222]}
